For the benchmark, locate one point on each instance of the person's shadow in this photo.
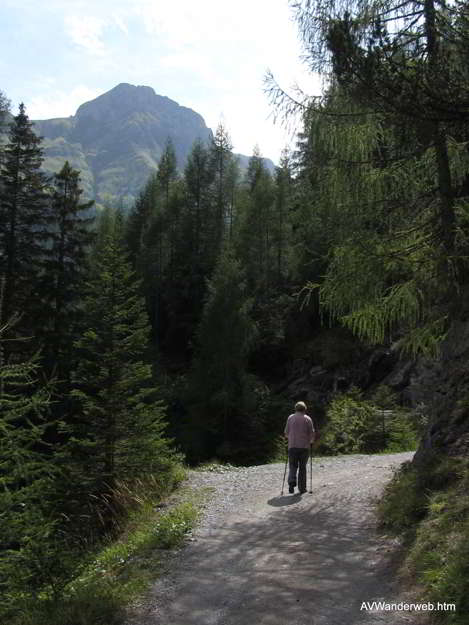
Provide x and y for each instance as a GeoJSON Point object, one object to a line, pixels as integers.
{"type": "Point", "coordinates": [284, 500]}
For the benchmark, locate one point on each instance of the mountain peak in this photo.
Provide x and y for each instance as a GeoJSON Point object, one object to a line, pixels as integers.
{"type": "Point", "coordinates": [122, 99]}
{"type": "Point", "coordinates": [117, 139]}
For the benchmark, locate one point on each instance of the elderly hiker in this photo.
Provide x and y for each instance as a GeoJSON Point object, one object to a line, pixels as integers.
{"type": "Point", "coordinates": [300, 433]}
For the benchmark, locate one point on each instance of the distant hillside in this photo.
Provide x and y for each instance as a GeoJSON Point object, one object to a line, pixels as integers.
{"type": "Point", "coordinates": [117, 139]}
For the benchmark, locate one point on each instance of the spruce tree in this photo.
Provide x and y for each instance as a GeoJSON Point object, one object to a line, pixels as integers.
{"type": "Point", "coordinates": [28, 477]}
{"type": "Point", "coordinates": [118, 429]}
{"type": "Point", "coordinates": [221, 156]}
{"type": "Point", "coordinates": [281, 223]}
{"type": "Point", "coordinates": [64, 268]}
{"type": "Point", "coordinates": [140, 217]}
{"type": "Point", "coordinates": [219, 385]}
{"type": "Point", "coordinates": [23, 217]}
{"type": "Point", "coordinates": [198, 177]}
{"type": "Point", "coordinates": [256, 223]}
{"type": "Point", "coordinates": [167, 170]}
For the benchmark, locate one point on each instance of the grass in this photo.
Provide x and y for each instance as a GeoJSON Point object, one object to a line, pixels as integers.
{"type": "Point", "coordinates": [121, 571]}
{"type": "Point", "coordinates": [429, 506]}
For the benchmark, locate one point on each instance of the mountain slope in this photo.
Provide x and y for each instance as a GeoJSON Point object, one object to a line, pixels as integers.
{"type": "Point", "coordinates": [117, 139]}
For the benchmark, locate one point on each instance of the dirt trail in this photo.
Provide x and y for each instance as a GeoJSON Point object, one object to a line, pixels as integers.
{"type": "Point", "coordinates": [264, 559]}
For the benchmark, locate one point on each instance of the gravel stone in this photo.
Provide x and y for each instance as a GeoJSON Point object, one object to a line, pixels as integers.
{"type": "Point", "coordinates": [261, 558]}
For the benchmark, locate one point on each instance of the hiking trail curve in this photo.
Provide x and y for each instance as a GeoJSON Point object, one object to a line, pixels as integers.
{"type": "Point", "coordinates": [259, 558]}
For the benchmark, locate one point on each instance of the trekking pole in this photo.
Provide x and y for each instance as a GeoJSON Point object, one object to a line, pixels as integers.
{"type": "Point", "coordinates": [284, 473]}
{"type": "Point", "coordinates": [311, 469]}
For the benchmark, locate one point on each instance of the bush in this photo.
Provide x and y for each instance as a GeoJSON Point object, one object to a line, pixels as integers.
{"type": "Point", "coordinates": [358, 425]}
{"type": "Point", "coordinates": [349, 420]}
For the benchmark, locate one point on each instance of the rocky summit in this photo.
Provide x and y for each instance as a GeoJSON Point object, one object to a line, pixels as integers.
{"type": "Point", "coordinates": [116, 140]}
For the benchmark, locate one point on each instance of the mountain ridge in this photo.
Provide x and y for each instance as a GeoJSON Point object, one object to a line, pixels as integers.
{"type": "Point", "coordinates": [117, 139]}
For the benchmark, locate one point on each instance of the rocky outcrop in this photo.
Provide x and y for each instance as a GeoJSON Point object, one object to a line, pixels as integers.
{"type": "Point", "coordinates": [442, 387]}
{"type": "Point", "coordinates": [437, 390]}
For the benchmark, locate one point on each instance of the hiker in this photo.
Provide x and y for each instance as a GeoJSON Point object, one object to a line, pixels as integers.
{"type": "Point", "coordinates": [300, 433]}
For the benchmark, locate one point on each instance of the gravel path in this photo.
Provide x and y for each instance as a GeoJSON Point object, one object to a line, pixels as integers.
{"type": "Point", "coordinates": [258, 558]}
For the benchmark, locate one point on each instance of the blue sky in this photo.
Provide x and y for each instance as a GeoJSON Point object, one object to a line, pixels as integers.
{"type": "Point", "coordinates": [210, 56]}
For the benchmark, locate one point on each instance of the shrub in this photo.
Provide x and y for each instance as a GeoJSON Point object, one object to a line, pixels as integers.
{"type": "Point", "coordinates": [358, 425]}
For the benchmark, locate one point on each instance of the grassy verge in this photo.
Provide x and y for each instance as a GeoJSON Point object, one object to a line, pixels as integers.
{"type": "Point", "coordinates": [429, 506]}
{"type": "Point", "coordinates": [122, 569]}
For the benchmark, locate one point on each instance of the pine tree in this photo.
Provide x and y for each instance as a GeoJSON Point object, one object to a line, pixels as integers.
{"type": "Point", "coordinates": [118, 429]}
{"type": "Point", "coordinates": [23, 212]}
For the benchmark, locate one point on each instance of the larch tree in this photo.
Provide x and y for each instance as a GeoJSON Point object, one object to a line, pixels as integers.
{"type": "Point", "coordinates": [385, 144]}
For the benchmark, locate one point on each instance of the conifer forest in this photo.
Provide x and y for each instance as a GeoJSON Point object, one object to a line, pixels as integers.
{"type": "Point", "coordinates": [134, 341]}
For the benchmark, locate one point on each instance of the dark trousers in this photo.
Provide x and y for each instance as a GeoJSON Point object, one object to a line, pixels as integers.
{"type": "Point", "coordinates": [297, 461]}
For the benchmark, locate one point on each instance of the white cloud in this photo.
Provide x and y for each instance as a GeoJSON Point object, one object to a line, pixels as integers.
{"type": "Point", "coordinates": [59, 103]}
{"type": "Point", "coordinates": [120, 23]}
{"type": "Point", "coordinates": [209, 55]}
{"type": "Point", "coordinates": [86, 32]}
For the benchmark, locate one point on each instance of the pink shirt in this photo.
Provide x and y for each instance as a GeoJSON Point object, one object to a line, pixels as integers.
{"type": "Point", "coordinates": [300, 430]}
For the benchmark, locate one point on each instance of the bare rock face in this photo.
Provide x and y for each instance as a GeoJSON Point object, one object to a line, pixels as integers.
{"type": "Point", "coordinates": [117, 139]}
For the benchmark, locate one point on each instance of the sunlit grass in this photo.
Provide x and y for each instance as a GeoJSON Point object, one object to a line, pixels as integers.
{"type": "Point", "coordinates": [122, 570]}
{"type": "Point", "coordinates": [429, 507]}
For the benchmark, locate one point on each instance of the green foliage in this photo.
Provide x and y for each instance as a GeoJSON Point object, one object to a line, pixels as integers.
{"type": "Point", "coordinates": [119, 572]}
{"type": "Point", "coordinates": [34, 550]}
{"type": "Point", "coordinates": [356, 425]}
{"type": "Point", "coordinates": [350, 422]}
{"type": "Point", "coordinates": [407, 497]}
{"type": "Point", "coordinates": [64, 270]}
{"type": "Point", "coordinates": [116, 432]}
{"type": "Point", "coordinates": [254, 240]}
{"type": "Point", "coordinates": [219, 384]}
{"type": "Point", "coordinates": [381, 168]}
{"type": "Point", "coordinates": [430, 505]}
{"type": "Point", "coordinates": [23, 222]}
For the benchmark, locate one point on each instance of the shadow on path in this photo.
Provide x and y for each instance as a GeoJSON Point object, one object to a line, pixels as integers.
{"type": "Point", "coordinates": [295, 560]}
{"type": "Point", "coordinates": [284, 500]}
